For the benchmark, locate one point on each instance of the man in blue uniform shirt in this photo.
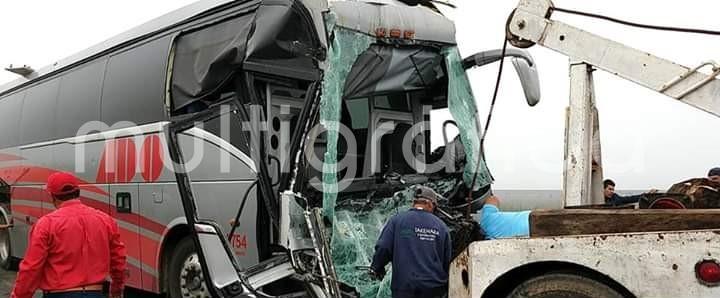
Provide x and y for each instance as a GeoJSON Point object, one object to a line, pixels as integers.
{"type": "Point", "coordinates": [498, 224]}
{"type": "Point", "coordinates": [418, 245]}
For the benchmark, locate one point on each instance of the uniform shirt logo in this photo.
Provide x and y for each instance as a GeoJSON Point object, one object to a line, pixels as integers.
{"type": "Point", "coordinates": [426, 234]}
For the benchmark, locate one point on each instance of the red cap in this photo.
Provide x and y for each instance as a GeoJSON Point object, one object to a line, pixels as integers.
{"type": "Point", "coordinates": [62, 183]}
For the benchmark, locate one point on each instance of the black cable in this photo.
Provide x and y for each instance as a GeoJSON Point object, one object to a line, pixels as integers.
{"type": "Point", "coordinates": [639, 25]}
{"type": "Point", "coordinates": [236, 222]}
{"type": "Point", "coordinates": [495, 93]}
{"type": "Point", "coordinates": [481, 152]}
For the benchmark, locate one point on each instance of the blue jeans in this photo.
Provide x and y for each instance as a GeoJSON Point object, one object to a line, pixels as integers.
{"type": "Point", "coordinates": [78, 294]}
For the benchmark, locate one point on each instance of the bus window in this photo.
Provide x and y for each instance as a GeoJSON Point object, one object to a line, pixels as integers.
{"type": "Point", "coordinates": [134, 84]}
{"type": "Point", "coordinates": [79, 98]}
{"type": "Point", "coordinates": [10, 108]}
{"type": "Point", "coordinates": [38, 113]}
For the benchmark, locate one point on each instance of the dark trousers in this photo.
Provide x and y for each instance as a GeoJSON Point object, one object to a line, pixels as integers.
{"type": "Point", "coordinates": [76, 294]}
{"type": "Point", "coordinates": [439, 292]}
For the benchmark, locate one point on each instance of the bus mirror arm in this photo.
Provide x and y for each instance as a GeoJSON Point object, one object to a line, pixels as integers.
{"type": "Point", "coordinates": [524, 66]}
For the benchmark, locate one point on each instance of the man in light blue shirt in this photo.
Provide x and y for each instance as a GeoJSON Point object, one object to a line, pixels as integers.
{"type": "Point", "coordinates": [497, 224]}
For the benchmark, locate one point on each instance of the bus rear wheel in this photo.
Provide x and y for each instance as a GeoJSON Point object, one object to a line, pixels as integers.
{"type": "Point", "coordinates": [6, 260]}
{"type": "Point", "coordinates": [185, 276]}
{"type": "Point", "coordinates": [562, 285]}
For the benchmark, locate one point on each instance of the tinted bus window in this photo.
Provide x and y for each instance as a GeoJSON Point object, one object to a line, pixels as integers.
{"type": "Point", "coordinates": [10, 109]}
{"type": "Point", "coordinates": [79, 98]}
{"type": "Point", "coordinates": [134, 84]}
{"type": "Point", "coordinates": [38, 113]}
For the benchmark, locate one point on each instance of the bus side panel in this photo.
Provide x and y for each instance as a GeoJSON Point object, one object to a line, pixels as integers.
{"type": "Point", "coordinates": [218, 187]}
{"type": "Point", "coordinates": [152, 201]}
{"type": "Point", "coordinates": [218, 193]}
{"type": "Point", "coordinates": [125, 207]}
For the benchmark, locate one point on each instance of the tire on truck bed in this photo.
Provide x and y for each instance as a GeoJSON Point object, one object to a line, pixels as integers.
{"type": "Point", "coordinates": [561, 285]}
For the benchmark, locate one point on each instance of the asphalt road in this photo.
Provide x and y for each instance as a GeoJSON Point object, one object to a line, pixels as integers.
{"type": "Point", "coordinates": [7, 279]}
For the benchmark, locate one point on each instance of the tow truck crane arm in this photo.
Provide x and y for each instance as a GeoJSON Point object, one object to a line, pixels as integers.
{"type": "Point", "coordinates": [530, 24]}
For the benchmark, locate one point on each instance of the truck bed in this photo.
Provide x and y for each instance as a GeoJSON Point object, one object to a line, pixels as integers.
{"type": "Point", "coordinates": [544, 223]}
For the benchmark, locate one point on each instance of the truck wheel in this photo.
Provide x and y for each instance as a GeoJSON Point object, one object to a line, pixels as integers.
{"type": "Point", "coordinates": [185, 276]}
{"type": "Point", "coordinates": [561, 285]}
{"type": "Point", "coordinates": [6, 260]}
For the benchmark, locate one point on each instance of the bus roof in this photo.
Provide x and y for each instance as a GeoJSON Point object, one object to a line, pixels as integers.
{"type": "Point", "coordinates": [149, 27]}
{"type": "Point", "coordinates": [361, 15]}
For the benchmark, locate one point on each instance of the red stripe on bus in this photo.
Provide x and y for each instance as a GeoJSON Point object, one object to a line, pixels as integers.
{"type": "Point", "coordinates": [151, 158]}
{"type": "Point", "coordinates": [135, 243]}
{"type": "Point", "coordinates": [135, 276]}
{"type": "Point", "coordinates": [118, 162]}
{"type": "Point", "coordinates": [9, 157]}
{"type": "Point", "coordinates": [150, 248]}
{"type": "Point", "coordinates": [140, 247]}
{"type": "Point", "coordinates": [149, 282]}
{"type": "Point", "coordinates": [35, 174]}
{"type": "Point", "coordinates": [39, 195]}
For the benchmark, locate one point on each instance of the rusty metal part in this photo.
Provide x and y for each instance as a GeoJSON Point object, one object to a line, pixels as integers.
{"type": "Point", "coordinates": [702, 192]}
{"type": "Point", "coordinates": [515, 40]}
{"type": "Point", "coordinates": [698, 193]}
{"type": "Point", "coordinates": [518, 41]}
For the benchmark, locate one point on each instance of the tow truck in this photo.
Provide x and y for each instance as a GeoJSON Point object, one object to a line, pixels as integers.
{"type": "Point", "coordinates": [586, 252]}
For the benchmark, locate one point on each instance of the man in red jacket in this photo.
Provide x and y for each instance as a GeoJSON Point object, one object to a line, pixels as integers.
{"type": "Point", "coordinates": [73, 249]}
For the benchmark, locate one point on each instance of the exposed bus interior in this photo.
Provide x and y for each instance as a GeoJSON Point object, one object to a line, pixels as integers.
{"type": "Point", "coordinates": [351, 141]}
{"type": "Point", "coordinates": [382, 182]}
{"type": "Point", "coordinates": [391, 98]}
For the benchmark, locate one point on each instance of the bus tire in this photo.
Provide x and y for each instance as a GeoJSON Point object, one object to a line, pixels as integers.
{"type": "Point", "coordinates": [185, 277]}
{"type": "Point", "coordinates": [563, 285]}
{"type": "Point", "coordinates": [7, 261]}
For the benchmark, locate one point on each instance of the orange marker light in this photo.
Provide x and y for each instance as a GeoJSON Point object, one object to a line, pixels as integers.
{"type": "Point", "coordinates": [395, 33]}
{"type": "Point", "coordinates": [409, 34]}
{"type": "Point", "coordinates": [380, 32]}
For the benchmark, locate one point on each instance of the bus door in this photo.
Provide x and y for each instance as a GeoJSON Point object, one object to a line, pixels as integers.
{"type": "Point", "coordinates": [124, 206]}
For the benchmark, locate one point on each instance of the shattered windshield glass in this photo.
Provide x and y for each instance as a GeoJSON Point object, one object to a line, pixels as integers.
{"type": "Point", "coordinates": [355, 229]}
{"type": "Point", "coordinates": [344, 50]}
{"type": "Point", "coordinates": [462, 107]}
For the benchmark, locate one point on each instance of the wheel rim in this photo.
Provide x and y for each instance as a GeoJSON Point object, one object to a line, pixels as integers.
{"type": "Point", "coordinates": [192, 283]}
{"type": "Point", "coordinates": [4, 242]}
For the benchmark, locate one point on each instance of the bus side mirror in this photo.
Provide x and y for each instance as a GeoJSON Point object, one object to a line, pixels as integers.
{"type": "Point", "coordinates": [524, 66]}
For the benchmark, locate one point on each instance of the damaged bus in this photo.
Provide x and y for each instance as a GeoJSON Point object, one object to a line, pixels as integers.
{"type": "Point", "coordinates": [256, 147]}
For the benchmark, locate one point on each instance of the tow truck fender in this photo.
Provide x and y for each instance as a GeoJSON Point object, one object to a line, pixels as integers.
{"type": "Point", "coordinates": [658, 264]}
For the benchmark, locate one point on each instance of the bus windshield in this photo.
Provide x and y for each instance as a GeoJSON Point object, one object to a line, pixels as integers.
{"type": "Point", "coordinates": [381, 106]}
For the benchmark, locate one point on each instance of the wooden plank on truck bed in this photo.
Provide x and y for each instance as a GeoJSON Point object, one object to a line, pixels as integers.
{"type": "Point", "coordinates": [593, 221]}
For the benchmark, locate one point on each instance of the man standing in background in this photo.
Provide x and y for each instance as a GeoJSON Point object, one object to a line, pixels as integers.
{"type": "Point", "coordinates": [72, 250]}
{"type": "Point", "coordinates": [612, 198]}
{"type": "Point", "coordinates": [714, 175]}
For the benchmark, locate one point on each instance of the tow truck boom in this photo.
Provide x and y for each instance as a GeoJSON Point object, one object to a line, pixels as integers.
{"type": "Point", "coordinates": [530, 24]}
{"type": "Point", "coordinates": [591, 262]}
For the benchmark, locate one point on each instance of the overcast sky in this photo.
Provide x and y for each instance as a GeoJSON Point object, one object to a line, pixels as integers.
{"type": "Point", "coordinates": [649, 141]}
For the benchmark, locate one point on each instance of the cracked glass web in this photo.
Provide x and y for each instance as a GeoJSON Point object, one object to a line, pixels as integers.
{"type": "Point", "coordinates": [355, 230]}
